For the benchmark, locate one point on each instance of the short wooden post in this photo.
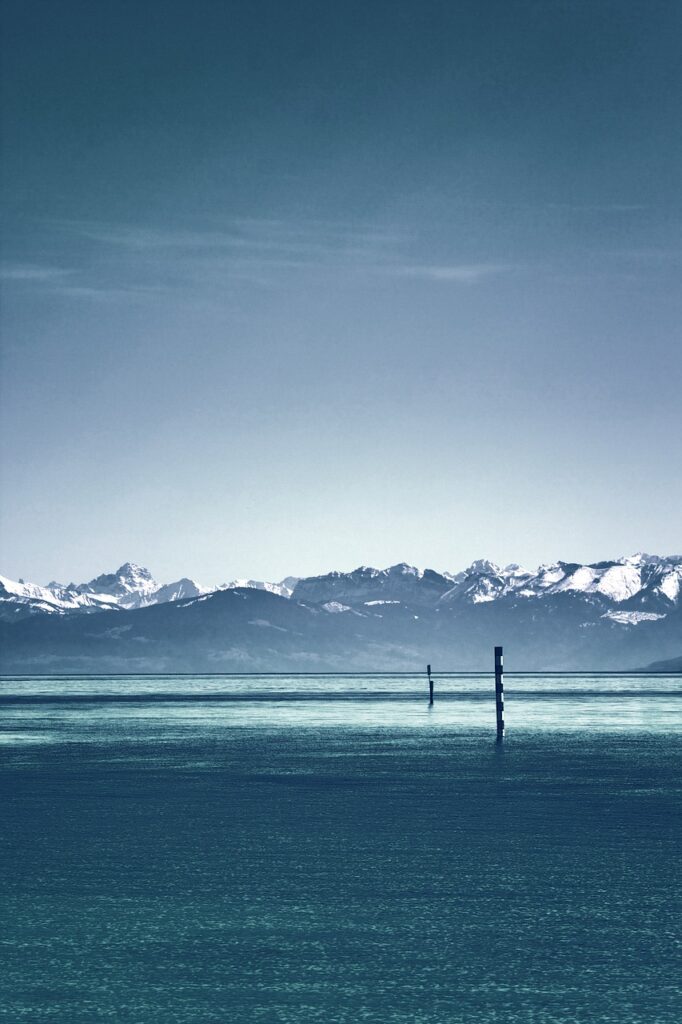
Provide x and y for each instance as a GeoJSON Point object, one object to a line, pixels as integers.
{"type": "Point", "coordinates": [499, 694]}
{"type": "Point", "coordinates": [428, 672]}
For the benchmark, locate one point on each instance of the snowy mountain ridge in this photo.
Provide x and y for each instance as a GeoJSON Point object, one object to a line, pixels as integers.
{"type": "Point", "coordinates": [637, 587]}
{"type": "Point", "coordinates": [610, 615]}
{"type": "Point", "coordinates": [284, 588]}
{"type": "Point", "coordinates": [616, 581]}
{"type": "Point", "coordinates": [648, 581]}
{"type": "Point", "coordinates": [131, 586]}
{"type": "Point", "coordinates": [19, 596]}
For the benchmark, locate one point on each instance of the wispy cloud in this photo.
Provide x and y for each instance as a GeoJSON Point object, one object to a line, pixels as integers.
{"type": "Point", "coordinates": [118, 260]}
{"type": "Point", "coordinates": [259, 251]}
{"type": "Point", "coordinates": [598, 207]}
{"type": "Point", "coordinates": [460, 273]}
{"type": "Point", "coordinates": [308, 239]}
{"type": "Point", "coordinates": [647, 255]}
{"type": "Point", "coordinates": [30, 272]}
{"type": "Point", "coordinates": [104, 294]}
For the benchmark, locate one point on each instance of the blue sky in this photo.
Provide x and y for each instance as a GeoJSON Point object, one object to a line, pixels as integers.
{"type": "Point", "coordinates": [289, 287]}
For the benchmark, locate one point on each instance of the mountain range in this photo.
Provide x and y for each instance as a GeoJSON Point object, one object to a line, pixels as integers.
{"type": "Point", "coordinates": [615, 614]}
{"type": "Point", "coordinates": [131, 586]}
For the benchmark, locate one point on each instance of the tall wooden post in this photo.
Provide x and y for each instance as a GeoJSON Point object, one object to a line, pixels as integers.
{"type": "Point", "coordinates": [499, 694]}
{"type": "Point", "coordinates": [428, 672]}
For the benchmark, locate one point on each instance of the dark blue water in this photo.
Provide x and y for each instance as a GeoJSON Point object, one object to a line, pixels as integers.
{"type": "Point", "coordinates": [328, 849]}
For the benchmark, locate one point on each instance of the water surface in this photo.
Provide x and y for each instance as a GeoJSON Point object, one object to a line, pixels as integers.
{"type": "Point", "coordinates": [77, 707]}
{"type": "Point", "coordinates": [304, 849]}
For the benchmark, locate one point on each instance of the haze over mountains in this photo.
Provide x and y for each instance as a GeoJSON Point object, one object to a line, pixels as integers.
{"type": "Point", "coordinates": [607, 615]}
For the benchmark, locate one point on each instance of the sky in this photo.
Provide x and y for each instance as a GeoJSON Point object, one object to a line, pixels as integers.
{"type": "Point", "coordinates": [289, 287]}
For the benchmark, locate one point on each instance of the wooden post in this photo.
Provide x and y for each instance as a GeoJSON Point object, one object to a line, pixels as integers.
{"type": "Point", "coordinates": [499, 694]}
{"type": "Point", "coordinates": [428, 672]}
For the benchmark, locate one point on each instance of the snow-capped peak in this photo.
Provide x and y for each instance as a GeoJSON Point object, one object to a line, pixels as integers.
{"type": "Point", "coordinates": [19, 598]}
{"type": "Point", "coordinates": [483, 567]}
{"type": "Point", "coordinates": [639, 583]}
{"type": "Point", "coordinates": [284, 588]}
{"type": "Point", "coordinates": [649, 579]}
{"type": "Point", "coordinates": [403, 569]}
{"type": "Point", "coordinates": [131, 586]}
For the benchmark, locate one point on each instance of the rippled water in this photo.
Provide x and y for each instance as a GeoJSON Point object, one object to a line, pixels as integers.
{"type": "Point", "coordinates": [76, 708]}
{"type": "Point", "coordinates": [189, 850]}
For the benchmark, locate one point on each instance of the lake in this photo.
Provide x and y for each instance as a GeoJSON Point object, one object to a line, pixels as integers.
{"type": "Point", "coordinates": [328, 848]}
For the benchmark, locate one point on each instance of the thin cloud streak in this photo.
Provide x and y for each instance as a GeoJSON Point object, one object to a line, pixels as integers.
{"type": "Point", "coordinates": [105, 293]}
{"type": "Point", "coordinates": [132, 260]}
{"type": "Point", "coordinates": [310, 238]}
{"type": "Point", "coordinates": [652, 255]}
{"type": "Point", "coordinates": [31, 272]}
{"type": "Point", "coordinates": [467, 273]}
